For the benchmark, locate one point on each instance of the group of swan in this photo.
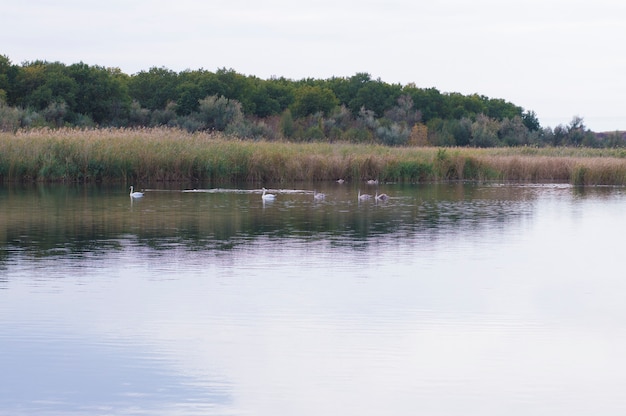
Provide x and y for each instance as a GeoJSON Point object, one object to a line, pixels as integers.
{"type": "Point", "coordinates": [369, 182]}
{"type": "Point", "coordinates": [364, 197]}
{"type": "Point", "coordinates": [318, 196]}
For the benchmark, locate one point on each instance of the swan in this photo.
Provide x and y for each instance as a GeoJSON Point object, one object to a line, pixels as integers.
{"type": "Point", "coordinates": [318, 195]}
{"type": "Point", "coordinates": [372, 182]}
{"type": "Point", "coordinates": [267, 197]}
{"type": "Point", "coordinates": [135, 194]}
{"type": "Point", "coordinates": [381, 197]}
{"type": "Point", "coordinates": [363, 196]}
{"type": "Point", "coordinates": [340, 181]}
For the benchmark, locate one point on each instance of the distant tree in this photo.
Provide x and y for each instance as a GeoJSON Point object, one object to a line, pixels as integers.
{"type": "Point", "coordinates": [576, 131]}
{"type": "Point", "coordinates": [286, 124]}
{"type": "Point", "coordinates": [484, 132]}
{"type": "Point", "coordinates": [499, 109]}
{"type": "Point", "coordinates": [613, 139]}
{"type": "Point", "coordinates": [419, 135]}
{"type": "Point", "coordinates": [10, 118]}
{"type": "Point", "coordinates": [356, 108]}
{"type": "Point", "coordinates": [513, 132]}
{"type": "Point", "coordinates": [55, 113]}
{"type": "Point", "coordinates": [40, 83]}
{"type": "Point", "coordinates": [342, 118]}
{"type": "Point", "coordinates": [461, 130]}
{"type": "Point", "coordinates": [530, 120]}
{"type": "Point", "coordinates": [404, 111]}
{"type": "Point", "coordinates": [102, 93]}
{"type": "Point", "coordinates": [218, 112]}
{"type": "Point", "coordinates": [430, 102]}
{"type": "Point", "coordinates": [439, 133]}
{"type": "Point", "coordinates": [189, 96]}
{"type": "Point", "coordinates": [312, 99]}
{"type": "Point", "coordinates": [138, 116]}
{"type": "Point", "coordinates": [155, 88]}
{"type": "Point", "coordinates": [376, 96]}
{"type": "Point", "coordinates": [271, 98]}
{"type": "Point", "coordinates": [393, 134]}
{"type": "Point", "coordinates": [7, 75]}
{"type": "Point", "coordinates": [346, 89]}
{"type": "Point", "coordinates": [164, 117]}
{"type": "Point", "coordinates": [367, 119]}
{"type": "Point", "coordinates": [559, 136]}
{"type": "Point", "coordinates": [237, 87]}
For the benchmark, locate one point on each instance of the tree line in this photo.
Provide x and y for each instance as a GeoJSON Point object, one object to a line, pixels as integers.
{"type": "Point", "coordinates": [356, 109]}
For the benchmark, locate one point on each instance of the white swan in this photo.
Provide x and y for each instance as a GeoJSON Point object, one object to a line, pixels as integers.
{"type": "Point", "coordinates": [381, 197]}
{"type": "Point", "coordinates": [340, 180]}
{"type": "Point", "coordinates": [318, 195]}
{"type": "Point", "coordinates": [372, 182]}
{"type": "Point", "coordinates": [135, 194]}
{"type": "Point", "coordinates": [363, 197]}
{"type": "Point", "coordinates": [267, 197]}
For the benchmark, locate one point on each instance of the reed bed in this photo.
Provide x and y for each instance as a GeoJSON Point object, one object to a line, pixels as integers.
{"type": "Point", "coordinates": [150, 155]}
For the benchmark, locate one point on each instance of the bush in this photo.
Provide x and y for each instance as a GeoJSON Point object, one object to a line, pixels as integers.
{"type": "Point", "coordinates": [9, 118]}
{"type": "Point", "coordinates": [217, 112]}
{"type": "Point", "coordinates": [393, 135]}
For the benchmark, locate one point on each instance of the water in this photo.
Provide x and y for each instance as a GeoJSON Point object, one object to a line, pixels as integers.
{"type": "Point", "coordinates": [444, 300]}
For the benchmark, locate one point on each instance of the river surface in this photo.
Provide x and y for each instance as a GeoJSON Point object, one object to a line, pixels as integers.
{"type": "Point", "coordinates": [450, 299]}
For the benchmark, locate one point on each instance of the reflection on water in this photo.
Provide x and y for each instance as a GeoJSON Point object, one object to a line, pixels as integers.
{"type": "Point", "coordinates": [445, 299]}
{"type": "Point", "coordinates": [67, 220]}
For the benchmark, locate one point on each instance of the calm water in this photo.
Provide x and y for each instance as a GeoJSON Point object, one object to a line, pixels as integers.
{"type": "Point", "coordinates": [444, 300]}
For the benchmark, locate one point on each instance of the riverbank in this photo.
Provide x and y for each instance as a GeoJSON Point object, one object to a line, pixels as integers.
{"type": "Point", "coordinates": [174, 155]}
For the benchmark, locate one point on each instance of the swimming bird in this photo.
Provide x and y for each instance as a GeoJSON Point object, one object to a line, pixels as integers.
{"type": "Point", "coordinates": [363, 197]}
{"type": "Point", "coordinates": [340, 180]}
{"type": "Point", "coordinates": [267, 197]}
{"type": "Point", "coordinates": [381, 197]}
{"type": "Point", "coordinates": [372, 182]}
{"type": "Point", "coordinates": [318, 196]}
{"type": "Point", "coordinates": [135, 194]}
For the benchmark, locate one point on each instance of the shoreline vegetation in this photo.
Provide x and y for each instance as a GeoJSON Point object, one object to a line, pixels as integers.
{"type": "Point", "coordinates": [167, 154]}
{"type": "Point", "coordinates": [356, 109]}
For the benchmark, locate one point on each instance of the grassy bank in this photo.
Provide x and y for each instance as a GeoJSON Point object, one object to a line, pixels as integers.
{"type": "Point", "coordinates": [173, 155]}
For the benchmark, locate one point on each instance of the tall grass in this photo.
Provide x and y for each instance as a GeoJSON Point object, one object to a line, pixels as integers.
{"type": "Point", "coordinates": [176, 155]}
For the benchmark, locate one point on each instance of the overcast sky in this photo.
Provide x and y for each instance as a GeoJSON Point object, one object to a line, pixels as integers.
{"type": "Point", "coordinates": [559, 58]}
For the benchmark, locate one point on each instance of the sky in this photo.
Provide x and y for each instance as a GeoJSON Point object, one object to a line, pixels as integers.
{"type": "Point", "coordinates": [559, 58]}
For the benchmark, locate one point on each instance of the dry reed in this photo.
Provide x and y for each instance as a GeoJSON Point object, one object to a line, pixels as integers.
{"type": "Point", "coordinates": [174, 155]}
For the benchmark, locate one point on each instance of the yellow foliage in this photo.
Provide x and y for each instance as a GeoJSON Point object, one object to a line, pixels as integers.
{"type": "Point", "coordinates": [419, 135]}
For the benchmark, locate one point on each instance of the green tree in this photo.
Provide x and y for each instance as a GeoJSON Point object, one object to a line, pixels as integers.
{"type": "Point", "coordinates": [40, 83]}
{"type": "Point", "coordinates": [7, 73]}
{"type": "Point", "coordinates": [530, 120]}
{"type": "Point", "coordinates": [236, 86]}
{"type": "Point", "coordinates": [579, 135]}
{"type": "Point", "coordinates": [155, 88]}
{"type": "Point", "coordinates": [102, 93]}
{"type": "Point", "coordinates": [346, 89]}
{"type": "Point", "coordinates": [430, 102]}
{"type": "Point", "coordinates": [376, 96]}
{"type": "Point", "coordinates": [313, 99]}
{"type": "Point", "coordinates": [500, 109]}
{"type": "Point", "coordinates": [286, 124]}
